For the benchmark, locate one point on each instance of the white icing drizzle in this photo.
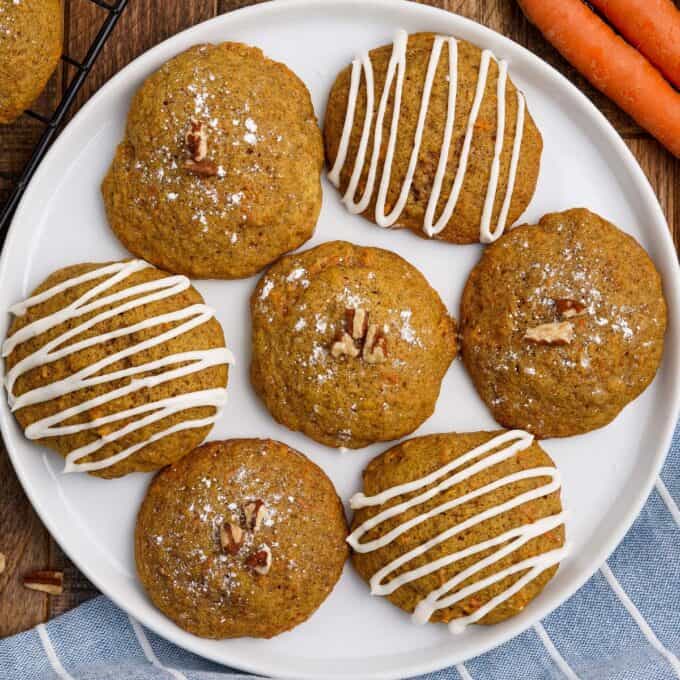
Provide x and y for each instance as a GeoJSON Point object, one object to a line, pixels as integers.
{"type": "Point", "coordinates": [485, 232]}
{"type": "Point", "coordinates": [508, 445]}
{"type": "Point", "coordinates": [514, 162]}
{"type": "Point", "coordinates": [397, 64]}
{"type": "Point", "coordinates": [122, 301]}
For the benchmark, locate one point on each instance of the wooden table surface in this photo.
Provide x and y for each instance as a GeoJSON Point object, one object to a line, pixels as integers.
{"type": "Point", "coordinates": [145, 23]}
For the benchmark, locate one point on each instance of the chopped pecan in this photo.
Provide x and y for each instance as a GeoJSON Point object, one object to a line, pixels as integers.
{"type": "Point", "coordinates": [254, 512]}
{"type": "Point", "coordinates": [3, 562]}
{"type": "Point", "coordinates": [567, 309]}
{"type": "Point", "coordinates": [357, 322]}
{"type": "Point", "coordinates": [203, 168]}
{"type": "Point", "coordinates": [231, 538]}
{"type": "Point", "coordinates": [360, 338]}
{"type": "Point", "coordinates": [196, 140]}
{"type": "Point", "coordinates": [345, 346]}
{"type": "Point", "coordinates": [375, 346]}
{"type": "Point", "coordinates": [50, 582]}
{"type": "Point", "coordinates": [260, 561]}
{"type": "Point", "coordinates": [555, 333]}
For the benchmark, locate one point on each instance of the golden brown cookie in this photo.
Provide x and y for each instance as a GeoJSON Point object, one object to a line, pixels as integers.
{"type": "Point", "coordinates": [119, 367]}
{"type": "Point", "coordinates": [459, 528]}
{"type": "Point", "coordinates": [219, 171]}
{"type": "Point", "coordinates": [244, 537]}
{"type": "Point", "coordinates": [350, 344]}
{"type": "Point", "coordinates": [562, 324]}
{"type": "Point", "coordinates": [442, 181]}
{"type": "Point", "coordinates": [31, 38]}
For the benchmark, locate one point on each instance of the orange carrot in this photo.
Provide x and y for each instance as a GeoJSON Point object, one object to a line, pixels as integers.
{"type": "Point", "coordinates": [652, 26]}
{"type": "Point", "coordinates": [611, 65]}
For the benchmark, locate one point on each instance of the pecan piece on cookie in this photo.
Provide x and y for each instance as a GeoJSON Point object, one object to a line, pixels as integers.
{"type": "Point", "coordinates": [555, 333]}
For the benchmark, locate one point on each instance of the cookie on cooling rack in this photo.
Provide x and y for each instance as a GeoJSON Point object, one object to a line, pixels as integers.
{"type": "Point", "coordinates": [244, 537]}
{"type": "Point", "coordinates": [459, 528]}
{"type": "Point", "coordinates": [562, 324]}
{"type": "Point", "coordinates": [219, 171]}
{"type": "Point", "coordinates": [118, 367]}
{"type": "Point", "coordinates": [458, 162]}
{"type": "Point", "coordinates": [350, 344]}
{"type": "Point", "coordinates": [31, 39]}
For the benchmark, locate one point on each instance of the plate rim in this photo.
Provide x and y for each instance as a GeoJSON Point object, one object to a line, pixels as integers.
{"type": "Point", "coordinates": [549, 601]}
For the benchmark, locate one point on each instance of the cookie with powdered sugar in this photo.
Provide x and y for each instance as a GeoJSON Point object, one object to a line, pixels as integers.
{"type": "Point", "coordinates": [244, 537]}
{"type": "Point", "coordinates": [219, 171]}
{"type": "Point", "coordinates": [562, 324]}
{"type": "Point", "coordinates": [350, 344]}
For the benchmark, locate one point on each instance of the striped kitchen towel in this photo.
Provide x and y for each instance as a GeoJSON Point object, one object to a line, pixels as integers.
{"type": "Point", "coordinates": [624, 624]}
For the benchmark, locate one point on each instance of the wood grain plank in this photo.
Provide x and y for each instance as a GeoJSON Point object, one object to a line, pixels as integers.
{"type": "Point", "coordinates": [24, 541]}
{"type": "Point", "coordinates": [230, 5]}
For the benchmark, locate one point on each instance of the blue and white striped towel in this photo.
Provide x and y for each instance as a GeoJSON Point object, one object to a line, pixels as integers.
{"type": "Point", "coordinates": [624, 624]}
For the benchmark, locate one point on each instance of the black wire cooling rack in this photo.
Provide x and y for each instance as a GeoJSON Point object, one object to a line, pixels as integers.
{"type": "Point", "coordinates": [53, 123]}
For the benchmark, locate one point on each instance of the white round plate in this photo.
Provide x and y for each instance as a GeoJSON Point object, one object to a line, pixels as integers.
{"type": "Point", "coordinates": [607, 474]}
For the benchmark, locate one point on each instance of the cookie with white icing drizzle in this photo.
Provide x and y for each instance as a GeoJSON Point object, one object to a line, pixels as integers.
{"type": "Point", "coordinates": [119, 367]}
{"type": "Point", "coordinates": [460, 528]}
{"type": "Point", "coordinates": [449, 148]}
{"type": "Point", "coordinates": [562, 324]}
